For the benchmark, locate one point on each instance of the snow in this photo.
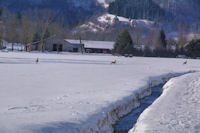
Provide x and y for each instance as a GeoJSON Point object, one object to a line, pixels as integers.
{"type": "Point", "coordinates": [177, 110]}
{"type": "Point", "coordinates": [92, 27]}
{"type": "Point", "coordinates": [103, 21]}
{"type": "Point", "coordinates": [105, 4]}
{"type": "Point", "coordinates": [69, 93]}
{"type": "Point", "coordinates": [107, 18]}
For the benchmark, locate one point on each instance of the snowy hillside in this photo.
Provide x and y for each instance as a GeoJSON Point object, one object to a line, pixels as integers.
{"type": "Point", "coordinates": [177, 110]}
{"type": "Point", "coordinates": [107, 18]}
{"type": "Point", "coordinates": [70, 93]}
{"type": "Point", "coordinates": [103, 2]}
{"type": "Point", "coordinates": [186, 11]}
{"type": "Point", "coordinates": [105, 21]}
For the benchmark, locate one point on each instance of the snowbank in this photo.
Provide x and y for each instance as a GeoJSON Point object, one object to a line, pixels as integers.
{"type": "Point", "coordinates": [69, 93]}
{"type": "Point", "coordinates": [177, 110]}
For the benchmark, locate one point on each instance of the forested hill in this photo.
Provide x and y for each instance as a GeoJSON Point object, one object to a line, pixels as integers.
{"type": "Point", "coordinates": [181, 10]}
{"type": "Point", "coordinates": [76, 10]}
{"type": "Point", "coordinates": [138, 9]}
{"type": "Point", "coordinates": [71, 10]}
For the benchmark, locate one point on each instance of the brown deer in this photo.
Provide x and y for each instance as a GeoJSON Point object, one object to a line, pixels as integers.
{"type": "Point", "coordinates": [37, 60]}
{"type": "Point", "coordinates": [184, 63]}
{"type": "Point", "coordinates": [113, 62]}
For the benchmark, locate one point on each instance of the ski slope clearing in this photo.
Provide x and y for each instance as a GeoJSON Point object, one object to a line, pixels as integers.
{"type": "Point", "coordinates": [70, 93]}
{"type": "Point", "coordinates": [177, 110]}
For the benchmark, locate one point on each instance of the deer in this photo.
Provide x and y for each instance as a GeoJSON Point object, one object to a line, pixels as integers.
{"type": "Point", "coordinates": [184, 63]}
{"type": "Point", "coordinates": [113, 62]}
{"type": "Point", "coordinates": [37, 60]}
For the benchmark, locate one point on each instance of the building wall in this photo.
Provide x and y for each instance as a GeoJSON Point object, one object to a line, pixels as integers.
{"type": "Point", "coordinates": [93, 50]}
{"type": "Point", "coordinates": [67, 47]}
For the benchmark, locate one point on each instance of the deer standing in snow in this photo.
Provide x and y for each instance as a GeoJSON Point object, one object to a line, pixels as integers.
{"type": "Point", "coordinates": [184, 63]}
{"type": "Point", "coordinates": [37, 60]}
{"type": "Point", "coordinates": [113, 62]}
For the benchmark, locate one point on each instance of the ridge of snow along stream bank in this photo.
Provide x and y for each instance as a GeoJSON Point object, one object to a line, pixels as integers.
{"type": "Point", "coordinates": [176, 110]}
{"type": "Point", "coordinates": [70, 93]}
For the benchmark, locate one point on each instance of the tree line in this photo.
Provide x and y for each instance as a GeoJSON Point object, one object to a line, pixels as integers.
{"type": "Point", "coordinates": [31, 26]}
{"type": "Point", "coordinates": [138, 9]}
{"type": "Point", "coordinates": [162, 47]}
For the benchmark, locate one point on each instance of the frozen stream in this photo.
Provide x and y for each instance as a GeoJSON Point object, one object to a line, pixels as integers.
{"type": "Point", "coordinates": [128, 121]}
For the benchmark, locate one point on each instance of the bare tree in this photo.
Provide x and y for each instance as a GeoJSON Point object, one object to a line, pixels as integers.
{"type": "Point", "coordinates": [151, 38]}
{"type": "Point", "coordinates": [27, 30]}
{"type": "Point", "coordinates": [1, 34]}
{"type": "Point", "coordinates": [11, 30]}
{"type": "Point", "coordinates": [56, 29]}
{"type": "Point", "coordinates": [137, 34]}
{"type": "Point", "coordinates": [182, 34]}
{"type": "Point", "coordinates": [171, 44]}
{"type": "Point", "coordinates": [44, 19]}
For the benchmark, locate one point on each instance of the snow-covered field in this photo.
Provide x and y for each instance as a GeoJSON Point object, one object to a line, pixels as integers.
{"type": "Point", "coordinates": [70, 93]}
{"type": "Point", "coordinates": [177, 110]}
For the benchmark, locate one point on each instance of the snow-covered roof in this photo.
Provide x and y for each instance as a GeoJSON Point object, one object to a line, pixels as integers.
{"type": "Point", "coordinates": [93, 44]}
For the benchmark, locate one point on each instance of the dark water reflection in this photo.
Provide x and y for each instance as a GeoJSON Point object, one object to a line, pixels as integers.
{"type": "Point", "coordinates": [128, 121]}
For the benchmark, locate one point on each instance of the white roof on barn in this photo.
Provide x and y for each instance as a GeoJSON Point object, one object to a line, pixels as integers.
{"type": "Point", "coordinates": [93, 44]}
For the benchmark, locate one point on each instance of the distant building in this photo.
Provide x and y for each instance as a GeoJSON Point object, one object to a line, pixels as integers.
{"type": "Point", "coordinates": [4, 44]}
{"type": "Point", "coordinates": [69, 45]}
{"type": "Point", "coordinates": [60, 45]}
{"type": "Point", "coordinates": [139, 47]}
{"type": "Point", "coordinates": [12, 46]}
{"type": "Point", "coordinates": [94, 46]}
{"type": "Point", "coordinates": [56, 45]}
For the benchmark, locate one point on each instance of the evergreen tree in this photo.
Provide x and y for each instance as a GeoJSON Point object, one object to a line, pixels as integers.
{"type": "Point", "coordinates": [147, 51]}
{"type": "Point", "coordinates": [1, 44]}
{"type": "Point", "coordinates": [19, 15]}
{"type": "Point", "coordinates": [161, 45]}
{"type": "Point", "coordinates": [161, 42]}
{"type": "Point", "coordinates": [193, 48]}
{"type": "Point", "coordinates": [1, 11]}
{"type": "Point", "coordinates": [138, 9]}
{"type": "Point", "coordinates": [124, 44]}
